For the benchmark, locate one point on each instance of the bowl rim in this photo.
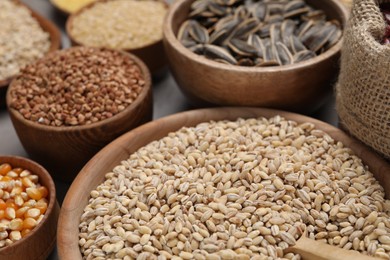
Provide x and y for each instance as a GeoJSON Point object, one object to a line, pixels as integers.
{"type": "Point", "coordinates": [122, 114]}
{"type": "Point", "coordinates": [52, 194]}
{"type": "Point", "coordinates": [150, 131]}
{"type": "Point", "coordinates": [171, 38]}
{"type": "Point", "coordinates": [48, 27]}
{"type": "Point", "coordinates": [71, 17]}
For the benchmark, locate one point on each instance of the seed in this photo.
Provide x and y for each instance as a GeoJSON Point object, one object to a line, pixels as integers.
{"type": "Point", "coordinates": [209, 214]}
{"type": "Point", "coordinates": [257, 34]}
{"type": "Point", "coordinates": [92, 93]}
{"type": "Point", "coordinates": [21, 37]}
{"type": "Point", "coordinates": [96, 27]}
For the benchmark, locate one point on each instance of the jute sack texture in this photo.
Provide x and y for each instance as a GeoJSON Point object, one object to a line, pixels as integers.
{"type": "Point", "coordinates": [363, 88]}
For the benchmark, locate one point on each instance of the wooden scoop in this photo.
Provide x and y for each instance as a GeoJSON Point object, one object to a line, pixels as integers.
{"type": "Point", "coordinates": [310, 249]}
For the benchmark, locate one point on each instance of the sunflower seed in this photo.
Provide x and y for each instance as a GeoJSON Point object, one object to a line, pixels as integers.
{"type": "Point", "coordinates": [257, 32]}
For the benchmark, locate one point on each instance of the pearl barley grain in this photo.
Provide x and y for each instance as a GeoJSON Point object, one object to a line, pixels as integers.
{"type": "Point", "coordinates": [255, 212]}
{"type": "Point", "coordinates": [120, 24]}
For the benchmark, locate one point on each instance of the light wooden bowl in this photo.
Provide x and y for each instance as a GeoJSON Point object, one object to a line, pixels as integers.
{"type": "Point", "coordinates": [152, 54]}
{"type": "Point", "coordinates": [60, 8]}
{"type": "Point", "coordinates": [298, 87]}
{"type": "Point", "coordinates": [64, 150]}
{"type": "Point", "coordinates": [94, 171]}
{"type": "Point", "coordinates": [41, 240]}
{"type": "Point", "coordinates": [55, 39]}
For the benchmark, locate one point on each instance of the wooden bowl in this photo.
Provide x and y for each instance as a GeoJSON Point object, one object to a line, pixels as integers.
{"type": "Point", "coordinates": [55, 44]}
{"type": "Point", "coordinates": [152, 54]}
{"type": "Point", "coordinates": [298, 87]}
{"type": "Point", "coordinates": [60, 8]}
{"type": "Point", "coordinates": [64, 150]}
{"type": "Point", "coordinates": [94, 171]}
{"type": "Point", "coordinates": [41, 240]}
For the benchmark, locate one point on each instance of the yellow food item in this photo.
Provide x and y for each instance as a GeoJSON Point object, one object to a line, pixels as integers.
{"type": "Point", "coordinates": [71, 6]}
{"type": "Point", "coordinates": [23, 203]}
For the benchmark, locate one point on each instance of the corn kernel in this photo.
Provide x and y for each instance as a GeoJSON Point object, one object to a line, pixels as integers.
{"type": "Point", "coordinates": [6, 178]}
{"type": "Point", "coordinates": [34, 193]}
{"type": "Point", "coordinates": [12, 174]}
{"type": "Point", "coordinates": [15, 235]}
{"type": "Point", "coordinates": [32, 213]}
{"type": "Point", "coordinates": [11, 204]}
{"type": "Point", "coordinates": [5, 168]}
{"type": "Point", "coordinates": [3, 227]}
{"type": "Point", "coordinates": [2, 205]}
{"type": "Point", "coordinates": [21, 211]}
{"type": "Point", "coordinates": [40, 218]}
{"type": "Point", "coordinates": [42, 206]}
{"type": "Point", "coordinates": [44, 192]}
{"type": "Point", "coordinates": [19, 200]}
{"type": "Point", "coordinates": [25, 173]}
{"type": "Point", "coordinates": [27, 182]}
{"type": "Point", "coordinates": [25, 232]}
{"type": "Point", "coordinates": [10, 213]}
{"type": "Point", "coordinates": [16, 191]}
{"type": "Point", "coordinates": [29, 223]}
{"type": "Point", "coordinates": [29, 203]}
{"type": "Point", "coordinates": [2, 214]}
{"type": "Point", "coordinates": [3, 234]}
{"type": "Point", "coordinates": [16, 224]}
{"type": "Point", "coordinates": [18, 170]}
{"type": "Point", "coordinates": [33, 178]}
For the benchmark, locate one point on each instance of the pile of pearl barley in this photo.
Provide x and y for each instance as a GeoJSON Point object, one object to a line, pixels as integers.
{"type": "Point", "coordinates": [244, 189]}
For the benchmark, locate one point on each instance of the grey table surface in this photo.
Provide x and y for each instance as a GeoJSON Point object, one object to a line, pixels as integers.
{"type": "Point", "coordinates": [168, 99]}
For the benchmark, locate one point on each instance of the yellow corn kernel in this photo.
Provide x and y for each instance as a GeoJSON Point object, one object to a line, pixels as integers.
{"type": "Point", "coordinates": [15, 235]}
{"type": "Point", "coordinates": [32, 213]}
{"type": "Point", "coordinates": [5, 168]}
{"type": "Point", "coordinates": [10, 213]}
{"type": "Point", "coordinates": [21, 211]}
{"type": "Point", "coordinates": [25, 232]}
{"type": "Point", "coordinates": [34, 193]}
{"type": "Point", "coordinates": [43, 190]}
{"type": "Point", "coordinates": [29, 223]}
{"type": "Point", "coordinates": [42, 206]}
{"type": "Point", "coordinates": [16, 224]}
{"type": "Point", "coordinates": [27, 183]}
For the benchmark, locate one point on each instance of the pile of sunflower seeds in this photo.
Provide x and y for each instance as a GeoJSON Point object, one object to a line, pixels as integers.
{"type": "Point", "coordinates": [22, 40]}
{"type": "Point", "coordinates": [258, 32]}
{"type": "Point", "coordinates": [240, 189]}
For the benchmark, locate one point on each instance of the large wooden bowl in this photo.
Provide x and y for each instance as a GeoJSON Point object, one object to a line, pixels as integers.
{"type": "Point", "coordinates": [152, 54]}
{"type": "Point", "coordinates": [94, 171]}
{"type": "Point", "coordinates": [65, 150]}
{"type": "Point", "coordinates": [41, 240]}
{"type": "Point", "coordinates": [55, 44]}
{"type": "Point", "coordinates": [298, 87]}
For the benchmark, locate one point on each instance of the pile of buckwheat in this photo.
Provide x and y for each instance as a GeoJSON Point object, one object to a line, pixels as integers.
{"type": "Point", "coordinates": [77, 86]}
{"type": "Point", "coordinates": [22, 40]}
{"type": "Point", "coordinates": [120, 24]}
{"type": "Point", "coordinates": [236, 190]}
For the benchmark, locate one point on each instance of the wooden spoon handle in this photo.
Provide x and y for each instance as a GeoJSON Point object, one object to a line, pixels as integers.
{"type": "Point", "coordinates": [310, 249]}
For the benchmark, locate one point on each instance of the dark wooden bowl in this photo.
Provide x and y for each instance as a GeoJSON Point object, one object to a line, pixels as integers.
{"type": "Point", "coordinates": [94, 171]}
{"type": "Point", "coordinates": [55, 39]}
{"type": "Point", "coordinates": [298, 87]}
{"type": "Point", "coordinates": [64, 150]}
{"type": "Point", "coordinates": [41, 240]}
{"type": "Point", "coordinates": [152, 54]}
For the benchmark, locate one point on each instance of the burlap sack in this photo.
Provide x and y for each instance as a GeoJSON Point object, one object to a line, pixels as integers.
{"type": "Point", "coordinates": [363, 89]}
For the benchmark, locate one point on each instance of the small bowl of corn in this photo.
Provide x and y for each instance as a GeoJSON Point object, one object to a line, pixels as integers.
{"type": "Point", "coordinates": [28, 210]}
